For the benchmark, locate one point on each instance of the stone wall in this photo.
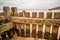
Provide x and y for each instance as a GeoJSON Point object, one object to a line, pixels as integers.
{"type": "Point", "coordinates": [34, 24]}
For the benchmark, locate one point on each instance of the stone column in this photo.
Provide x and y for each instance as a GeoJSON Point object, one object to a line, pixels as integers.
{"type": "Point", "coordinates": [14, 11]}
{"type": "Point", "coordinates": [7, 13]}
{"type": "Point", "coordinates": [58, 33]}
{"type": "Point", "coordinates": [30, 30]}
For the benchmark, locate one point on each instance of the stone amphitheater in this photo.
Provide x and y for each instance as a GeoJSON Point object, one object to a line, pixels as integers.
{"type": "Point", "coordinates": [30, 24]}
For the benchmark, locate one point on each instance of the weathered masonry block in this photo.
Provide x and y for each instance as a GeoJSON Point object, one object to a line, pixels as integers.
{"type": "Point", "coordinates": [27, 14]}
{"type": "Point", "coordinates": [14, 11]}
{"type": "Point", "coordinates": [40, 31]}
{"type": "Point", "coordinates": [22, 29]}
{"type": "Point", "coordinates": [40, 22]}
{"type": "Point", "coordinates": [27, 30]}
{"type": "Point", "coordinates": [33, 30]}
{"type": "Point", "coordinates": [54, 22]}
{"type": "Point", "coordinates": [7, 12]}
{"type": "Point", "coordinates": [47, 32]}
{"type": "Point", "coordinates": [54, 32]}
{"type": "Point", "coordinates": [41, 15]}
{"type": "Point", "coordinates": [21, 14]}
{"type": "Point", "coordinates": [48, 22]}
{"type": "Point", "coordinates": [34, 14]}
{"type": "Point", "coordinates": [49, 15]}
{"type": "Point", "coordinates": [32, 24]}
{"type": "Point", "coordinates": [1, 14]}
{"type": "Point", "coordinates": [57, 15]}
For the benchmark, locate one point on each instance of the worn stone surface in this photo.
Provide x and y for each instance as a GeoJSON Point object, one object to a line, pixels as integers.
{"type": "Point", "coordinates": [53, 36]}
{"type": "Point", "coordinates": [16, 14]}
{"type": "Point", "coordinates": [1, 14]}
{"type": "Point", "coordinates": [14, 11]}
{"type": "Point", "coordinates": [18, 20]}
{"type": "Point", "coordinates": [33, 27]}
{"type": "Point", "coordinates": [27, 21]}
{"type": "Point", "coordinates": [22, 20]}
{"type": "Point", "coordinates": [54, 32]}
{"type": "Point", "coordinates": [57, 15]}
{"type": "Point", "coordinates": [41, 15]}
{"type": "Point", "coordinates": [22, 29]}
{"type": "Point", "coordinates": [47, 35]}
{"type": "Point", "coordinates": [32, 21]}
{"type": "Point", "coordinates": [27, 30]}
{"type": "Point", "coordinates": [28, 26]}
{"type": "Point", "coordinates": [11, 34]}
{"type": "Point", "coordinates": [47, 28]}
{"type": "Point", "coordinates": [39, 34]}
{"type": "Point", "coordinates": [55, 29]}
{"type": "Point", "coordinates": [40, 27]}
{"type": "Point", "coordinates": [49, 15]}
{"type": "Point", "coordinates": [22, 33]}
{"type": "Point", "coordinates": [40, 22]}
{"type": "Point", "coordinates": [27, 14]}
{"type": "Point", "coordinates": [21, 14]}
{"type": "Point", "coordinates": [55, 22]}
{"type": "Point", "coordinates": [48, 22]}
{"type": "Point", "coordinates": [18, 33]}
{"type": "Point", "coordinates": [33, 31]}
{"type": "Point", "coordinates": [6, 12]}
{"type": "Point", "coordinates": [47, 32]}
{"type": "Point", "coordinates": [34, 14]}
{"type": "Point", "coordinates": [27, 33]}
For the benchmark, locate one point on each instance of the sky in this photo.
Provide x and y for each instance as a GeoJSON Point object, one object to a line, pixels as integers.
{"type": "Point", "coordinates": [30, 4]}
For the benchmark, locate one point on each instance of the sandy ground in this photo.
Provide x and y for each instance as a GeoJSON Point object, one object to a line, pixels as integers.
{"type": "Point", "coordinates": [25, 38]}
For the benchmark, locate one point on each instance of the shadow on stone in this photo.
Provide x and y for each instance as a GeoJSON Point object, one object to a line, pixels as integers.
{"type": "Point", "coordinates": [39, 34]}
{"type": "Point", "coordinates": [27, 33]}
{"type": "Point", "coordinates": [47, 35]}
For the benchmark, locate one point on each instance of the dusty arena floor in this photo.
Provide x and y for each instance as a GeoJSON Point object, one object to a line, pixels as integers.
{"type": "Point", "coordinates": [25, 38]}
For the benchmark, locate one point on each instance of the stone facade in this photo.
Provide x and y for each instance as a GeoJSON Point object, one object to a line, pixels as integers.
{"type": "Point", "coordinates": [23, 20]}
